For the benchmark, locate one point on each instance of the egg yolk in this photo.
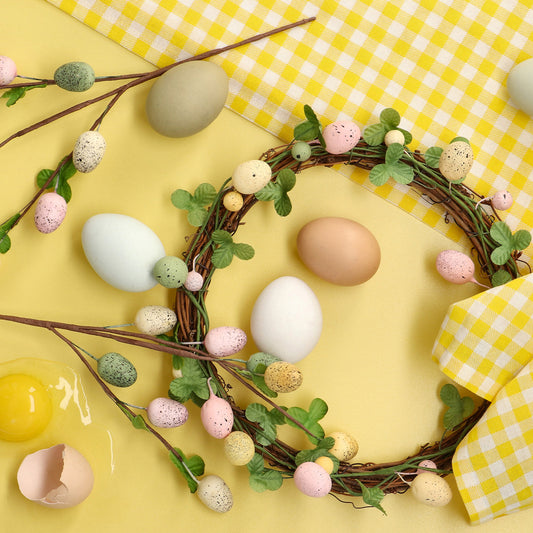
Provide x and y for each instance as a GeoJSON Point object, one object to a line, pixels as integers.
{"type": "Point", "coordinates": [25, 407]}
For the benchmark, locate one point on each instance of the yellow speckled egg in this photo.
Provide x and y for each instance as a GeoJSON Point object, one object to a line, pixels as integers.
{"type": "Point", "coordinates": [239, 448]}
{"type": "Point", "coordinates": [431, 489]}
{"type": "Point", "coordinates": [456, 160]}
{"type": "Point", "coordinates": [326, 463]}
{"type": "Point", "coordinates": [345, 447]}
{"type": "Point", "coordinates": [283, 377]}
{"type": "Point", "coordinates": [233, 201]}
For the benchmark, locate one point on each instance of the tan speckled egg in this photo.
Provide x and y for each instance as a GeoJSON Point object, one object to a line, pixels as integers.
{"type": "Point", "coordinates": [233, 201]}
{"type": "Point", "coordinates": [345, 447]}
{"type": "Point", "coordinates": [394, 136]}
{"type": "Point", "coordinates": [88, 151]}
{"type": "Point", "coordinates": [456, 160]}
{"type": "Point", "coordinates": [215, 494]}
{"type": "Point", "coordinates": [155, 319]}
{"type": "Point", "coordinates": [283, 377]}
{"type": "Point", "coordinates": [239, 448]}
{"type": "Point", "coordinates": [251, 176]}
{"type": "Point", "coordinates": [431, 489]}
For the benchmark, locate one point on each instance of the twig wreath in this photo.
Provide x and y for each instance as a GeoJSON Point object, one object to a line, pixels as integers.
{"type": "Point", "coordinates": [217, 215]}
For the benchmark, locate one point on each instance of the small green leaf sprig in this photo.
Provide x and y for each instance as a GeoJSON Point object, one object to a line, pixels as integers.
{"type": "Point", "coordinates": [459, 408]}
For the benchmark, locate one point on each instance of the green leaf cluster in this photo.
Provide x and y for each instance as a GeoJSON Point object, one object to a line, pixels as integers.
{"type": "Point", "coordinates": [309, 419]}
{"type": "Point", "coordinates": [195, 204]}
{"type": "Point", "coordinates": [458, 408]}
{"type": "Point", "coordinates": [226, 249]}
{"type": "Point", "coordinates": [277, 191]}
{"type": "Point", "coordinates": [500, 277]}
{"type": "Point", "coordinates": [310, 129]}
{"type": "Point", "coordinates": [508, 242]}
{"type": "Point", "coordinates": [16, 93]}
{"type": "Point", "coordinates": [194, 463]}
{"type": "Point", "coordinates": [60, 181]}
{"type": "Point", "coordinates": [192, 384]}
{"type": "Point", "coordinates": [267, 420]}
{"type": "Point", "coordinates": [321, 450]}
{"type": "Point", "coordinates": [262, 478]}
{"type": "Point", "coordinates": [5, 228]}
{"type": "Point", "coordinates": [258, 379]}
{"type": "Point", "coordinates": [432, 156]}
{"type": "Point", "coordinates": [372, 496]}
{"type": "Point", "coordinates": [389, 119]}
{"type": "Point", "coordinates": [392, 168]}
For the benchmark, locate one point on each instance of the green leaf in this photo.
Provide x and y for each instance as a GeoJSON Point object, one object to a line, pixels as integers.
{"type": "Point", "coordinates": [268, 420]}
{"type": "Point", "coordinates": [220, 236]}
{"type": "Point", "coordinates": [5, 243]}
{"type": "Point", "coordinates": [67, 170]}
{"type": "Point", "coordinates": [204, 194]}
{"type": "Point", "coordinates": [194, 463]}
{"type": "Point", "coordinates": [401, 173]}
{"type": "Point", "coordinates": [501, 233]}
{"type": "Point", "coordinates": [321, 450]}
{"type": "Point", "coordinates": [283, 205]}
{"type": "Point", "coordinates": [259, 382]}
{"type": "Point", "coordinates": [394, 153]}
{"type": "Point", "coordinates": [500, 277]}
{"type": "Point", "coordinates": [197, 216]}
{"type": "Point", "coordinates": [458, 408]}
{"type": "Point", "coordinates": [64, 190]}
{"type": "Point", "coordinates": [379, 175]}
{"type": "Point", "coordinates": [222, 257]}
{"type": "Point", "coordinates": [139, 422]}
{"type": "Point", "coordinates": [449, 394]}
{"type": "Point", "coordinates": [181, 199]}
{"type": "Point", "coordinates": [407, 136]}
{"type": "Point", "coordinates": [16, 93]}
{"type": "Point", "coordinates": [462, 139]}
{"type": "Point", "coordinates": [432, 156]}
{"type": "Point", "coordinates": [271, 191]}
{"type": "Point", "coordinates": [374, 135]}
{"type": "Point", "coordinates": [192, 381]}
{"type": "Point", "coordinates": [306, 131]}
{"type": "Point", "coordinates": [43, 176]}
{"type": "Point", "coordinates": [286, 179]}
{"type": "Point", "coordinates": [310, 115]}
{"type": "Point", "coordinates": [317, 410]}
{"type": "Point", "coordinates": [372, 496]}
{"type": "Point", "coordinates": [501, 255]}
{"type": "Point", "coordinates": [243, 251]}
{"type": "Point", "coordinates": [262, 478]}
{"type": "Point", "coordinates": [390, 118]}
{"type": "Point", "coordinates": [521, 239]}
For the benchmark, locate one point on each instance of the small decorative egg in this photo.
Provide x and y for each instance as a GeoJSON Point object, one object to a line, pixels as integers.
{"type": "Point", "coordinates": [502, 200]}
{"type": "Point", "coordinates": [251, 176]}
{"type": "Point", "coordinates": [326, 463]}
{"type": "Point", "coordinates": [394, 136]}
{"type": "Point", "coordinates": [167, 413]}
{"type": "Point", "coordinates": [341, 136]}
{"type": "Point", "coordinates": [50, 212]}
{"type": "Point", "coordinates": [215, 494]}
{"type": "Point", "coordinates": [8, 70]}
{"type": "Point", "coordinates": [170, 271]}
{"type": "Point", "coordinates": [455, 267]}
{"type": "Point", "coordinates": [88, 151]}
{"type": "Point", "coordinates": [216, 415]}
{"type": "Point", "coordinates": [301, 151]}
{"type": "Point", "coordinates": [233, 201]}
{"type": "Point", "coordinates": [283, 377]}
{"type": "Point", "coordinates": [260, 358]}
{"type": "Point", "coordinates": [339, 250]}
{"type": "Point", "coordinates": [224, 341]}
{"type": "Point", "coordinates": [311, 479]}
{"type": "Point", "coordinates": [345, 447]}
{"type": "Point", "coordinates": [426, 463]}
{"type": "Point", "coordinates": [155, 319]}
{"type": "Point", "coordinates": [187, 98]}
{"type": "Point", "coordinates": [456, 160]}
{"type": "Point", "coordinates": [239, 448]}
{"type": "Point", "coordinates": [116, 370]}
{"type": "Point", "coordinates": [520, 85]}
{"type": "Point", "coordinates": [194, 281]}
{"type": "Point", "coordinates": [75, 76]}
{"type": "Point", "coordinates": [431, 489]}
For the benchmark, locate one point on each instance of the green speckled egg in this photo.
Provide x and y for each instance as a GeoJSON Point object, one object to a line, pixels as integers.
{"type": "Point", "coordinates": [260, 358]}
{"type": "Point", "coordinates": [75, 76]}
{"type": "Point", "coordinates": [116, 370]}
{"type": "Point", "coordinates": [170, 271]}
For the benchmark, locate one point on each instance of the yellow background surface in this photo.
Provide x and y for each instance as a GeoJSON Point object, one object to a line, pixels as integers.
{"type": "Point", "coordinates": [372, 364]}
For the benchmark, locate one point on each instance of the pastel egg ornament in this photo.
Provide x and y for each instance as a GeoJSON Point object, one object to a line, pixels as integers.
{"type": "Point", "coordinates": [170, 271]}
{"type": "Point", "coordinates": [431, 489]}
{"type": "Point", "coordinates": [341, 136]}
{"type": "Point", "coordinates": [456, 160]}
{"type": "Point", "coordinates": [239, 448]}
{"type": "Point", "coordinates": [251, 176]}
{"type": "Point", "coordinates": [155, 319]}
{"type": "Point", "coordinates": [167, 413]}
{"type": "Point", "coordinates": [312, 480]}
{"type": "Point", "coordinates": [283, 377]}
{"type": "Point", "coordinates": [194, 281]}
{"type": "Point", "coordinates": [520, 85]}
{"type": "Point", "coordinates": [75, 76]}
{"type": "Point", "coordinates": [216, 415]}
{"type": "Point", "coordinates": [8, 70]}
{"type": "Point", "coordinates": [502, 200]}
{"type": "Point", "coordinates": [50, 211]}
{"type": "Point", "coordinates": [88, 151]}
{"type": "Point", "coordinates": [224, 341]}
{"type": "Point", "coordinates": [456, 267]}
{"type": "Point", "coordinates": [215, 494]}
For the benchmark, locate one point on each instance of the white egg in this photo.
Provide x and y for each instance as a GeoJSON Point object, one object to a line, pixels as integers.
{"type": "Point", "coordinates": [520, 85]}
{"type": "Point", "coordinates": [286, 319]}
{"type": "Point", "coordinates": [88, 151]}
{"type": "Point", "coordinates": [122, 251]}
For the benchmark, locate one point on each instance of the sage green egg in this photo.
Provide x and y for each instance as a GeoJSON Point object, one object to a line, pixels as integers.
{"type": "Point", "coordinates": [170, 271]}
{"type": "Point", "coordinates": [187, 98]}
{"type": "Point", "coordinates": [520, 85]}
{"type": "Point", "coordinates": [116, 370]}
{"type": "Point", "coordinates": [75, 76]}
{"type": "Point", "coordinates": [260, 358]}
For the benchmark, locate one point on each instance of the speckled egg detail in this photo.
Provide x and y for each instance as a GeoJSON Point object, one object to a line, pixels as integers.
{"type": "Point", "coordinates": [167, 413]}
{"type": "Point", "coordinates": [431, 489]}
{"type": "Point", "coordinates": [8, 70]}
{"type": "Point", "coordinates": [155, 319]}
{"type": "Point", "coordinates": [215, 494]}
{"type": "Point", "coordinates": [394, 137]}
{"type": "Point", "coordinates": [341, 136]}
{"type": "Point", "coordinates": [224, 341]}
{"type": "Point", "coordinates": [170, 271]}
{"type": "Point", "coordinates": [423, 465]}
{"type": "Point", "coordinates": [455, 266]}
{"type": "Point", "coordinates": [216, 415]}
{"type": "Point", "coordinates": [194, 281]}
{"type": "Point", "coordinates": [251, 176]}
{"type": "Point", "coordinates": [239, 448]}
{"type": "Point", "coordinates": [233, 201]}
{"type": "Point", "coordinates": [345, 447]}
{"type": "Point", "coordinates": [456, 160]}
{"type": "Point", "coordinates": [88, 151]}
{"type": "Point", "coordinates": [116, 370]}
{"type": "Point", "coordinates": [75, 76]}
{"type": "Point", "coordinates": [50, 212]}
{"type": "Point", "coordinates": [311, 479]}
{"type": "Point", "coordinates": [283, 377]}
{"type": "Point", "coordinates": [502, 200]}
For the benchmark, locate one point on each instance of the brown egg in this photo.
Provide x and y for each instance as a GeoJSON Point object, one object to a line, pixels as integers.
{"type": "Point", "coordinates": [339, 250]}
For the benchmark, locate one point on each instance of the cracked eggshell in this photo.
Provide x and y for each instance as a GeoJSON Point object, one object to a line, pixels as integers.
{"type": "Point", "coordinates": [251, 176]}
{"type": "Point", "coordinates": [50, 211]}
{"type": "Point", "coordinates": [155, 319]}
{"type": "Point", "coordinates": [431, 489]}
{"type": "Point", "coordinates": [224, 341]}
{"type": "Point", "coordinates": [456, 160]}
{"type": "Point", "coordinates": [88, 151]}
{"type": "Point", "coordinates": [58, 477]}
{"type": "Point", "coordinates": [341, 136]}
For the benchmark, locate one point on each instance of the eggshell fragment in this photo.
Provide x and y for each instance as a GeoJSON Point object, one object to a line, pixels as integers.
{"type": "Point", "coordinates": [431, 489]}
{"type": "Point", "coordinates": [167, 413]}
{"type": "Point", "coordinates": [251, 176]}
{"type": "Point", "coordinates": [8, 70]}
{"type": "Point", "coordinates": [58, 477]}
{"type": "Point", "coordinates": [155, 319]}
{"type": "Point", "coordinates": [239, 448]}
{"type": "Point", "coordinates": [345, 447]}
{"type": "Point", "coordinates": [341, 136]}
{"type": "Point", "coordinates": [311, 479]}
{"type": "Point", "coordinates": [216, 415]}
{"type": "Point", "coordinates": [283, 377]}
{"type": "Point", "coordinates": [224, 341]}
{"type": "Point", "coordinates": [456, 160]}
{"type": "Point", "coordinates": [88, 151]}
{"type": "Point", "coordinates": [215, 494]}
{"type": "Point", "coordinates": [50, 212]}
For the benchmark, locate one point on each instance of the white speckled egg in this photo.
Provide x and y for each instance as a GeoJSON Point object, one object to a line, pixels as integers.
{"type": "Point", "coordinates": [286, 319]}
{"type": "Point", "coordinates": [456, 160]}
{"type": "Point", "coordinates": [239, 448]}
{"type": "Point", "coordinates": [311, 479]}
{"type": "Point", "coordinates": [8, 70]}
{"type": "Point", "coordinates": [215, 494]}
{"type": "Point", "coordinates": [455, 267]}
{"type": "Point", "coordinates": [194, 281]}
{"type": "Point", "coordinates": [50, 212]}
{"type": "Point", "coordinates": [251, 176]}
{"type": "Point", "coordinates": [520, 85]}
{"type": "Point", "coordinates": [341, 136]}
{"type": "Point", "coordinates": [224, 341]}
{"type": "Point", "coordinates": [216, 415]}
{"type": "Point", "coordinates": [187, 98]}
{"type": "Point", "coordinates": [502, 200]}
{"type": "Point", "coordinates": [167, 413]}
{"type": "Point", "coordinates": [122, 251]}
{"type": "Point", "coordinates": [345, 447]}
{"type": "Point", "coordinates": [431, 489]}
{"type": "Point", "coordinates": [394, 136]}
{"type": "Point", "coordinates": [88, 151]}
{"type": "Point", "coordinates": [283, 377]}
{"type": "Point", "coordinates": [155, 319]}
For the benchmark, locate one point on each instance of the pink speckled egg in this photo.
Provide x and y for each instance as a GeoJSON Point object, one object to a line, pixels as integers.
{"type": "Point", "coordinates": [502, 200]}
{"type": "Point", "coordinates": [50, 211]}
{"type": "Point", "coordinates": [194, 281]}
{"type": "Point", "coordinates": [8, 70]}
{"type": "Point", "coordinates": [312, 479]}
{"type": "Point", "coordinates": [216, 415]}
{"type": "Point", "coordinates": [341, 136]}
{"type": "Point", "coordinates": [426, 463]}
{"type": "Point", "coordinates": [167, 413]}
{"type": "Point", "coordinates": [224, 341]}
{"type": "Point", "coordinates": [455, 267]}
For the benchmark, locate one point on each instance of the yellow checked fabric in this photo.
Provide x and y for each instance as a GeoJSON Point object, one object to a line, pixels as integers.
{"type": "Point", "coordinates": [441, 63]}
